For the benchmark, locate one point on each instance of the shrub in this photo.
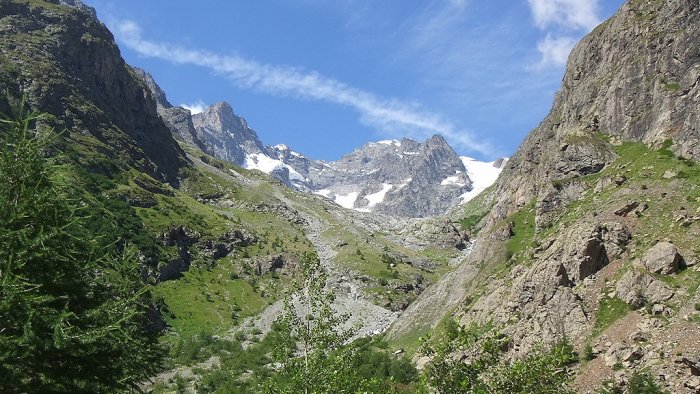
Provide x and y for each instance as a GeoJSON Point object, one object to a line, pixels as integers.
{"type": "Point", "coordinates": [643, 383]}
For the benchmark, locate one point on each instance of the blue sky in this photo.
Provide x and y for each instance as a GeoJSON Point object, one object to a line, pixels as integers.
{"type": "Point", "coordinates": [326, 76]}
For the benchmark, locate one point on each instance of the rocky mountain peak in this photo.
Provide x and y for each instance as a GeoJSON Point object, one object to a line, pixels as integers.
{"type": "Point", "coordinates": [221, 116]}
{"type": "Point", "coordinates": [437, 142]}
{"type": "Point", "coordinates": [397, 177]}
{"type": "Point", "coordinates": [227, 135]}
{"type": "Point", "coordinates": [155, 90]}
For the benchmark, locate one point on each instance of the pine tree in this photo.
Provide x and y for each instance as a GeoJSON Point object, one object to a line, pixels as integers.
{"type": "Point", "coordinates": [72, 315]}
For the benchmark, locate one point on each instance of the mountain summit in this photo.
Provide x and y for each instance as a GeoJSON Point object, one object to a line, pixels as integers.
{"type": "Point", "coordinates": [403, 178]}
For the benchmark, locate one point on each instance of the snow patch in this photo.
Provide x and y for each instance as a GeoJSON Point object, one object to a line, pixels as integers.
{"type": "Point", "coordinates": [481, 173]}
{"type": "Point", "coordinates": [452, 180]}
{"type": "Point", "coordinates": [324, 192]}
{"type": "Point", "coordinates": [378, 197]}
{"type": "Point", "coordinates": [266, 164]}
{"type": "Point", "coordinates": [390, 142]}
{"type": "Point", "coordinates": [347, 201]}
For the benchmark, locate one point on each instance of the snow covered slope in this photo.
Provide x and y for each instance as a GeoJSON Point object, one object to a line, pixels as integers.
{"type": "Point", "coordinates": [482, 174]}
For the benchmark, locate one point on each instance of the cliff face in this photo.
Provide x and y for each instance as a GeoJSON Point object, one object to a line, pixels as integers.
{"type": "Point", "coordinates": [634, 78]}
{"type": "Point", "coordinates": [580, 208]}
{"type": "Point", "coordinates": [66, 64]}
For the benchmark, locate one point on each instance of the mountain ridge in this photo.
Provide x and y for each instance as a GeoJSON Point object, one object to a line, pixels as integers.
{"type": "Point", "coordinates": [395, 177]}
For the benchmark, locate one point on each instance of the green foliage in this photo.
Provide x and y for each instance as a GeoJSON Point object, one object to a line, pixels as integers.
{"type": "Point", "coordinates": [523, 228]}
{"type": "Point", "coordinates": [471, 221]}
{"type": "Point", "coordinates": [311, 351]}
{"type": "Point", "coordinates": [483, 368]}
{"type": "Point", "coordinates": [588, 352]}
{"type": "Point", "coordinates": [73, 311]}
{"type": "Point", "coordinates": [609, 311]}
{"type": "Point", "coordinates": [643, 383]}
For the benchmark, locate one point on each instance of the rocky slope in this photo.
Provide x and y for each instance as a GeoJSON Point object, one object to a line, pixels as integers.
{"type": "Point", "coordinates": [66, 64]}
{"type": "Point", "coordinates": [566, 234]}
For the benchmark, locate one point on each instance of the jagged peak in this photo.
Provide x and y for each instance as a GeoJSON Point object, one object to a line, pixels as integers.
{"type": "Point", "coordinates": [223, 113]}
{"type": "Point", "coordinates": [437, 139]}
{"type": "Point", "coordinates": [156, 91]}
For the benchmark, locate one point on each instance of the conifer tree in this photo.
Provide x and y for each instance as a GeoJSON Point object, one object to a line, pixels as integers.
{"type": "Point", "coordinates": [72, 315]}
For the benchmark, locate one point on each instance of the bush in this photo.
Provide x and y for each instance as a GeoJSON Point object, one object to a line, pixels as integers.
{"type": "Point", "coordinates": [643, 383]}
{"type": "Point", "coordinates": [486, 370]}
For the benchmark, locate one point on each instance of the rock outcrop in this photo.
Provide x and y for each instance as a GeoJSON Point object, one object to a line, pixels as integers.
{"type": "Point", "coordinates": [75, 75]}
{"type": "Point", "coordinates": [663, 258]}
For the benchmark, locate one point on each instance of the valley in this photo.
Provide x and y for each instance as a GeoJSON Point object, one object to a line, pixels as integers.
{"type": "Point", "coordinates": [571, 266]}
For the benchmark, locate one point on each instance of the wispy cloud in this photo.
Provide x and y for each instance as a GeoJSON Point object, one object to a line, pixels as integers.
{"type": "Point", "coordinates": [564, 21]}
{"type": "Point", "coordinates": [555, 50]}
{"type": "Point", "coordinates": [570, 14]}
{"type": "Point", "coordinates": [390, 116]}
{"type": "Point", "coordinates": [196, 108]}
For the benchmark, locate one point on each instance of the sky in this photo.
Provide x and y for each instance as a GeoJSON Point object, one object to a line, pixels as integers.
{"type": "Point", "coordinates": [327, 76]}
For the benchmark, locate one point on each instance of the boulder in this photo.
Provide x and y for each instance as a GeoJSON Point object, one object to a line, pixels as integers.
{"type": "Point", "coordinates": [637, 288]}
{"type": "Point", "coordinates": [663, 258]}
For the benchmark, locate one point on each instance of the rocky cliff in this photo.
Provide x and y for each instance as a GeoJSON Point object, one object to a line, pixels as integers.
{"type": "Point", "coordinates": [66, 64]}
{"type": "Point", "coordinates": [564, 234]}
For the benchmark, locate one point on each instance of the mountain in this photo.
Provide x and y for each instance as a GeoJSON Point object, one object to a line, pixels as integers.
{"type": "Point", "coordinates": [219, 245]}
{"type": "Point", "coordinates": [399, 177]}
{"type": "Point", "coordinates": [605, 188]}
{"type": "Point", "coordinates": [587, 236]}
{"type": "Point", "coordinates": [76, 75]}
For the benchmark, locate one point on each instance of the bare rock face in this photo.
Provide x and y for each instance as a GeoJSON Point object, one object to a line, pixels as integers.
{"type": "Point", "coordinates": [663, 258]}
{"type": "Point", "coordinates": [587, 251]}
{"type": "Point", "coordinates": [630, 80]}
{"type": "Point", "coordinates": [89, 89]}
{"type": "Point", "coordinates": [226, 135]}
{"type": "Point", "coordinates": [637, 288]}
{"type": "Point", "coordinates": [266, 264]}
{"type": "Point", "coordinates": [639, 80]}
{"type": "Point", "coordinates": [178, 119]}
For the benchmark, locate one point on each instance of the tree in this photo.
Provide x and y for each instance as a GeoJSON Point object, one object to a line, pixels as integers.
{"type": "Point", "coordinates": [72, 314]}
{"type": "Point", "coordinates": [471, 360]}
{"type": "Point", "coordinates": [313, 354]}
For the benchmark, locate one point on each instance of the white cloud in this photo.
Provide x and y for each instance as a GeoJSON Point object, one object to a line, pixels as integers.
{"type": "Point", "coordinates": [562, 19]}
{"type": "Point", "coordinates": [555, 51]}
{"type": "Point", "coordinates": [196, 108]}
{"type": "Point", "coordinates": [568, 14]}
{"type": "Point", "coordinates": [390, 116]}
